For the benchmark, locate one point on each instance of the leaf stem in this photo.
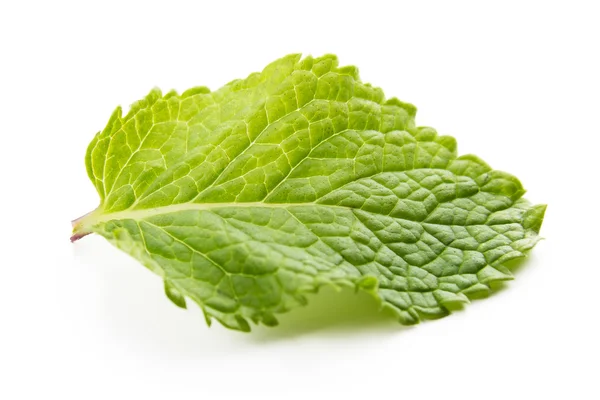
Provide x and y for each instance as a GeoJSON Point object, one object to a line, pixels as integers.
{"type": "Point", "coordinates": [82, 226]}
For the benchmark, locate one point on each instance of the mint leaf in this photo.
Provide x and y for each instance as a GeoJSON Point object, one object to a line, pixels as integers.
{"type": "Point", "coordinates": [246, 198]}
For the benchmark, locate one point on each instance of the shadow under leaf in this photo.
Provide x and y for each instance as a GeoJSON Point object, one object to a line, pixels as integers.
{"type": "Point", "coordinates": [332, 312]}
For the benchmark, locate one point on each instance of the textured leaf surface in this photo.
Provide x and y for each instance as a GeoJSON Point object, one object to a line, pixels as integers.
{"type": "Point", "coordinates": [246, 198]}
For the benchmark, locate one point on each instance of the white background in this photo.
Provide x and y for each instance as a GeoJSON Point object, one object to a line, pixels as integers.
{"type": "Point", "coordinates": [516, 83]}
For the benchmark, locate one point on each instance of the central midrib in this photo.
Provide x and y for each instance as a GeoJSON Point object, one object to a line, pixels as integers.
{"type": "Point", "coordinates": [98, 216]}
{"type": "Point", "coordinates": [150, 212]}
{"type": "Point", "coordinates": [144, 213]}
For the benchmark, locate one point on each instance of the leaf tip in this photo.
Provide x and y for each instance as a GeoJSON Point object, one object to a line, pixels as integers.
{"type": "Point", "coordinates": [534, 217]}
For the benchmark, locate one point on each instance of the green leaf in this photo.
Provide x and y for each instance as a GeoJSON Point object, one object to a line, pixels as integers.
{"type": "Point", "coordinates": [246, 198]}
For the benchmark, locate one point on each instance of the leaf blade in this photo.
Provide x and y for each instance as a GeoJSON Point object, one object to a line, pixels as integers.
{"type": "Point", "coordinates": [302, 176]}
